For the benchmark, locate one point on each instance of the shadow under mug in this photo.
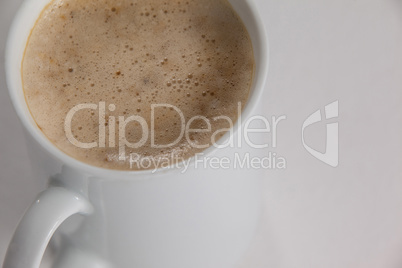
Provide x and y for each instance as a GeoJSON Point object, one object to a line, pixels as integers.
{"type": "Point", "coordinates": [203, 218]}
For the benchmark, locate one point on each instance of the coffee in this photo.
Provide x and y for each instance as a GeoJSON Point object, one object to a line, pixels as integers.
{"type": "Point", "coordinates": [130, 75]}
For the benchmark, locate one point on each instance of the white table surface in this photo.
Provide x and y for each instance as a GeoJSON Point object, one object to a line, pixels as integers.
{"type": "Point", "coordinates": [315, 216]}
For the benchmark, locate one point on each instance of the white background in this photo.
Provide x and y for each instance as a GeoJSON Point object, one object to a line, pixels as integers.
{"type": "Point", "coordinates": [314, 216]}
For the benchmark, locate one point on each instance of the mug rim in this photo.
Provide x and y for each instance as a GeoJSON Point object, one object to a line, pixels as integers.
{"type": "Point", "coordinates": [27, 120]}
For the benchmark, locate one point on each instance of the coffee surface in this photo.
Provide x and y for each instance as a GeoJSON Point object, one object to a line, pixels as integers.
{"type": "Point", "coordinates": [191, 56]}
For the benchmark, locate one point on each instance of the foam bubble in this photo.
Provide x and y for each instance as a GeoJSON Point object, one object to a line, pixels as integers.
{"type": "Point", "coordinates": [193, 54]}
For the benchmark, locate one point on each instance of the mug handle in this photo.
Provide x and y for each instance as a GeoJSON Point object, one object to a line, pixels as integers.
{"type": "Point", "coordinates": [46, 214]}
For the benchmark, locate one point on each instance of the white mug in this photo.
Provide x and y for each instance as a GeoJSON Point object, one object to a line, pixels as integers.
{"type": "Point", "coordinates": [201, 218]}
